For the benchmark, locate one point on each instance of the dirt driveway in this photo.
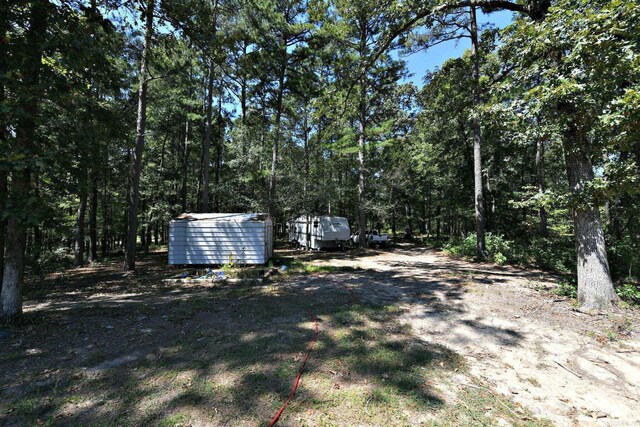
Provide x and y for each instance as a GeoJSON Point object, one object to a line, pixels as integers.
{"type": "Point", "coordinates": [532, 346]}
{"type": "Point", "coordinates": [407, 337]}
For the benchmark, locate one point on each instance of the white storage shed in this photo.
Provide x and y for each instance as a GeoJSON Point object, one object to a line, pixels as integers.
{"type": "Point", "coordinates": [220, 238]}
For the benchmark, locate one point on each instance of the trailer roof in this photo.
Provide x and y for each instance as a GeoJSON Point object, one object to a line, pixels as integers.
{"type": "Point", "coordinates": [304, 218]}
{"type": "Point", "coordinates": [226, 217]}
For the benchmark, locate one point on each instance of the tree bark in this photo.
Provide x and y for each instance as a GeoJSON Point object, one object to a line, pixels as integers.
{"type": "Point", "coordinates": [82, 208]}
{"type": "Point", "coordinates": [143, 241]}
{"type": "Point", "coordinates": [93, 219]}
{"type": "Point", "coordinates": [429, 211]}
{"type": "Point", "coordinates": [106, 220]}
{"type": "Point", "coordinates": [36, 247]}
{"type": "Point", "coordinates": [3, 223]}
{"type": "Point", "coordinates": [243, 89]}
{"type": "Point", "coordinates": [185, 166]}
{"type": "Point", "coordinates": [219, 146]}
{"type": "Point", "coordinates": [362, 215]}
{"type": "Point", "coordinates": [206, 149]}
{"type": "Point", "coordinates": [305, 178]}
{"type": "Point", "coordinates": [595, 288]}
{"type": "Point", "coordinates": [4, 122]}
{"type": "Point", "coordinates": [362, 141]}
{"type": "Point", "coordinates": [147, 239]}
{"type": "Point", "coordinates": [3, 137]}
{"type": "Point", "coordinates": [278, 132]}
{"type": "Point", "coordinates": [477, 152]}
{"type": "Point", "coordinates": [408, 231]}
{"type": "Point", "coordinates": [541, 184]}
{"type": "Point", "coordinates": [155, 233]}
{"type": "Point", "coordinates": [16, 228]}
{"type": "Point", "coordinates": [134, 192]}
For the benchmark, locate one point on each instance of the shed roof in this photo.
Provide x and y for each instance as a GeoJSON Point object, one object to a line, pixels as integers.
{"type": "Point", "coordinates": [222, 217]}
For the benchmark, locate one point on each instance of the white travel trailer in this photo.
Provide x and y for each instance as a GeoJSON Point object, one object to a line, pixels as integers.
{"type": "Point", "coordinates": [319, 232]}
{"type": "Point", "coordinates": [220, 238]}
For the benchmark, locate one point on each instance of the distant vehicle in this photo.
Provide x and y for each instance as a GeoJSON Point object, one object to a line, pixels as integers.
{"type": "Point", "coordinates": [319, 232]}
{"type": "Point", "coordinates": [373, 237]}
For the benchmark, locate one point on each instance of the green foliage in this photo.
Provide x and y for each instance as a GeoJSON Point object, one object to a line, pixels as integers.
{"type": "Point", "coordinates": [231, 265]}
{"type": "Point", "coordinates": [555, 254]}
{"type": "Point", "coordinates": [314, 77]}
{"type": "Point", "coordinates": [629, 293]}
{"type": "Point", "coordinates": [499, 250]}
{"type": "Point", "coordinates": [54, 260]}
{"type": "Point", "coordinates": [624, 260]}
{"type": "Point", "coordinates": [567, 289]}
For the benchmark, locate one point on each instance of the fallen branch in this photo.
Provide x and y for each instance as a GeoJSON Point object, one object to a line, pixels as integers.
{"type": "Point", "coordinates": [568, 370]}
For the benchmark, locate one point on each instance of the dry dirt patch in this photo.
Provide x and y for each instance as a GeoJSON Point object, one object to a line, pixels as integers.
{"type": "Point", "coordinates": [535, 348]}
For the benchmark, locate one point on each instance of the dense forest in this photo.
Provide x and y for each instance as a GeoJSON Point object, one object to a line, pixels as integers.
{"type": "Point", "coordinates": [118, 115]}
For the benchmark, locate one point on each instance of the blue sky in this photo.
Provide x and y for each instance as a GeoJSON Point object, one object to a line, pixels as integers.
{"type": "Point", "coordinates": [421, 62]}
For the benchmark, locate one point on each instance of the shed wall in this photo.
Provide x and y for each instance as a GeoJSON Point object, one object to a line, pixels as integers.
{"type": "Point", "coordinates": [219, 242]}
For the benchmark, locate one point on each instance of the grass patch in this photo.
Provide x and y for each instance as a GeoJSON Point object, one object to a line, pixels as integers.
{"type": "Point", "coordinates": [301, 267]}
{"type": "Point", "coordinates": [179, 419]}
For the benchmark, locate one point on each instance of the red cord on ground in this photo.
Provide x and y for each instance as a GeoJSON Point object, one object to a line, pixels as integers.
{"type": "Point", "coordinates": [276, 417]}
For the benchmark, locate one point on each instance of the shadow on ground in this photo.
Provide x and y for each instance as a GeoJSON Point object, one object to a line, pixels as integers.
{"type": "Point", "coordinates": [97, 347]}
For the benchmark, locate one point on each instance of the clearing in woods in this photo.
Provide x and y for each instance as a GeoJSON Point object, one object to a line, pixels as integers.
{"type": "Point", "coordinates": [407, 337]}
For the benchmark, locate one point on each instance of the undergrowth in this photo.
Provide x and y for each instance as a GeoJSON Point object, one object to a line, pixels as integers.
{"type": "Point", "coordinates": [554, 254]}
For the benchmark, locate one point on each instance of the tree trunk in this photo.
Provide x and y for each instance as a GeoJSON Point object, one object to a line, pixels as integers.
{"type": "Point", "coordinates": [93, 219]}
{"type": "Point", "coordinates": [477, 153]}
{"type": "Point", "coordinates": [147, 239]}
{"type": "Point", "coordinates": [3, 223]}
{"type": "Point", "coordinates": [4, 122]}
{"type": "Point", "coordinates": [185, 166]}
{"type": "Point", "coordinates": [362, 140]}
{"type": "Point", "coordinates": [143, 230]}
{"type": "Point", "coordinates": [206, 149]}
{"type": "Point", "coordinates": [143, 241]}
{"type": "Point", "coordinates": [305, 178]}
{"type": "Point", "coordinates": [82, 208]}
{"type": "Point", "coordinates": [3, 136]}
{"type": "Point", "coordinates": [541, 184]}
{"type": "Point", "coordinates": [16, 229]}
{"type": "Point", "coordinates": [392, 203]}
{"type": "Point", "coordinates": [134, 192]}
{"type": "Point", "coordinates": [276, 139]}
{"type": "Point", "coordinates": [106, 220]}
{"type": "Point", "coordinates": [408, 231]}
{"type": "Point", "coordinates": [155, 233]}
{"type": "Point", "coordinates": [36, 248]}
{"type": "Point", "coordinates": [429, 211]}
{"type": "Point", "coordinates": [362, 218]}
{"type": "Point", "coordinates": [219, 146]}
{"type": "Point", "coordinates": [595, 288]}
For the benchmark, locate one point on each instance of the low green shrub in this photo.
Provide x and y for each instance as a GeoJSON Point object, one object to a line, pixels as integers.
{"type": "Point", "coordinates": [556, 254]}
{"type": "Point", "coordinates": [567, 289]}
{"type": "Point", "coordinates": [54, 260]}
{"type": "Point", "coordinates": [629, 293]}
